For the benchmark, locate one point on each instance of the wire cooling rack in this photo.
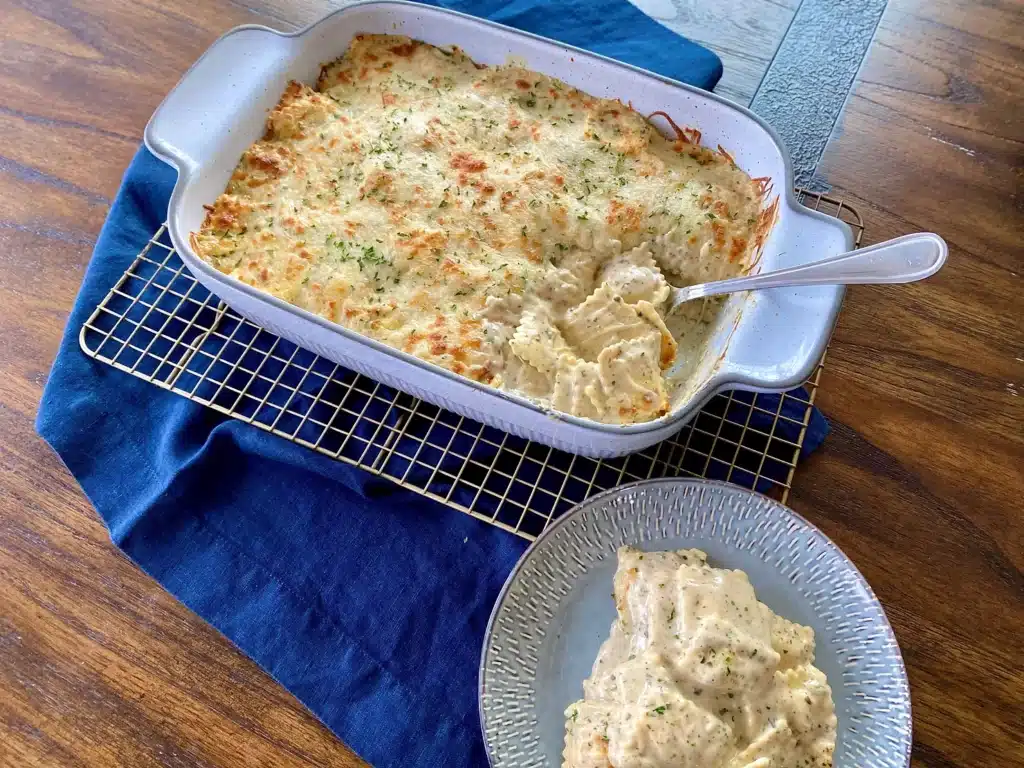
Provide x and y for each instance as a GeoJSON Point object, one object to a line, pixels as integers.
{"type": "Point", "coordinates": [160, 325]}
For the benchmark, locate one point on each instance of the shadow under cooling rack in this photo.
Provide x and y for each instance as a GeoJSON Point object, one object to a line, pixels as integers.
{"type": "Point", "coordinates": [162, 326]}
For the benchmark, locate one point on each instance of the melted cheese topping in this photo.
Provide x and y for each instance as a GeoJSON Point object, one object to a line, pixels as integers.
{"type": "Point", "coordinates": [493, 221]}
{"type": "Point", "coordinates": [697, 672]}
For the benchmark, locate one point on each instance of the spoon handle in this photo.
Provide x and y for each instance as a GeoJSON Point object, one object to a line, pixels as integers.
{"type": "Point", "coordinates": [903, 260]}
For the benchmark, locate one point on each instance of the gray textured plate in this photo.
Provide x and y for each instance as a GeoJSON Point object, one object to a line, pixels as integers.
{"type": "Point", "coordinates": [556, 609]}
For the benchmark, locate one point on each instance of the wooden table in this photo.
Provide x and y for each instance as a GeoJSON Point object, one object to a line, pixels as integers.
{"type": "Point", "coordinates": [921, 481]}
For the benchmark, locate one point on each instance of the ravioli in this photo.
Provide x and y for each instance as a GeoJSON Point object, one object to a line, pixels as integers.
{"type": "Point", "coordinates": [491, 220]}
{"type": "Point", "coordinates": [696, 671]}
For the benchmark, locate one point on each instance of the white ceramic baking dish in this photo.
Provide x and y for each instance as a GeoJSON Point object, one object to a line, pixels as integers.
{"type": "Point", "coordinates": [769, 342]}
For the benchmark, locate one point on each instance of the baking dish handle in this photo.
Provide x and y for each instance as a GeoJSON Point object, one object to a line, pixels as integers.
{"type": "Point", "coordinates": [788, 329]}
{"type": "Point", "coordinates": [216, 94]}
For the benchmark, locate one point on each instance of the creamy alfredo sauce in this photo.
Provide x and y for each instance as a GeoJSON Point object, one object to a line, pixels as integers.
{"type": "Point", "coordinates": [697, 672]}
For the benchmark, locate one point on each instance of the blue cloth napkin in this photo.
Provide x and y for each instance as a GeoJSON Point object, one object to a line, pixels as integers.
{"type": "Point", "coordinates": [366, 601]}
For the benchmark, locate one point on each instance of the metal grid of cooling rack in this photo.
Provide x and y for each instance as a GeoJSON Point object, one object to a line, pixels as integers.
{"type": "Point", "coordinates": [160, 325]}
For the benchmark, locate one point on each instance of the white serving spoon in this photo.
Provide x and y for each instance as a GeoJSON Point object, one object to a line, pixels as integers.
{"type": "Point", "coordinates": [903, 260]}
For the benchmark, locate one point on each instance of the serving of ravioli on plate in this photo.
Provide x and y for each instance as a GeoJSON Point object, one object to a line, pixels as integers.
{"type": "Point", "coordinates": [696, 671]}
{"type": "Point", "coordinates": [671, 623]}
{"type": "Point", "coordinates": [491, 220]}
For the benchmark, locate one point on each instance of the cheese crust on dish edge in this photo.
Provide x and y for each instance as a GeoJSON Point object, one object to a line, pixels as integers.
{"type": "Point", "coordinates": [491, 220]}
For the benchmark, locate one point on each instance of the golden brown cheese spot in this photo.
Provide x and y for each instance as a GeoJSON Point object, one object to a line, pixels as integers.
{"type": "Point", "coordinates": [299, 106]}
{"type": "Point", "coordinates": [718, 230]}
{"type": "Point", "coordinates": [481, 373]}
{"type": "Point", "coordinates": [624, 217]}
{"type": "Point", "coordinates": [738, 248]}
{"type": "Point", "coordinates": [421, 242]}
{"type": "Point", "coordinates": [271, 160]}
{"type": "Point", "coordinates": [464, 161]}
{"type": "Point", "coordinates": [376, 184]}
{"type": "Point", "coordinates": [437, 344]}
{"type": "Point", "coordinates": [405, 50]}
{"type": "Point", "coordinates": [227, 214]}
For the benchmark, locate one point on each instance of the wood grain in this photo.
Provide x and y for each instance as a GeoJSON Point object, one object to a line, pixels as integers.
{"type": "Point", "coordinates": [920, 482]}
{"type": "Point", "coordinates": [744, 34]}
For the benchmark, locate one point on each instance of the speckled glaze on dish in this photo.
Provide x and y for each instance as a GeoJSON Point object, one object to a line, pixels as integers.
{"type": "Point", "coordinates": [556, 607]}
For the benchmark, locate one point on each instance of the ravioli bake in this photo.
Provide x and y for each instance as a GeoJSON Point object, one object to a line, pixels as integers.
{"type": "Point", "coordinates": [698, 672]}
{"type": "Point", "coordinates": [491, 220]}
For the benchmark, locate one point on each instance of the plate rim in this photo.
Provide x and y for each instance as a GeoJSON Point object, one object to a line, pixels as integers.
{"type": "Point", "coordinates": [577, 510]}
